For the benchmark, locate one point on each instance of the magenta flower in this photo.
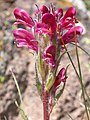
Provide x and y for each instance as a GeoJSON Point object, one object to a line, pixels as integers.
{"type": "Point", "coordinates": [49, 19]}
{"type": "Point", "coordinates": [69, 19]}
{"type": "Point", "coordinates": [23, 17]}
{"type": "Point", "coordinates": [61, 77]}
{"type": "Point", "coordinates": [50, 55]}
{"type": "Point", "coordinates": [41, 10]}
{"type": "Point", "coordinates": [71, 12]}
{"type": "Point", "coordinates": [44, 9]}
{"type": "Point", "coordinates": [59, 13]}
{"type": "Point", "coordinates": [25, 38]}
{"type": "Point", "coordinates": [50, 23]}
{"type": "Point", "coordinates": [42, 28]}
{"type": "Point", "coordinates": [69, 36]}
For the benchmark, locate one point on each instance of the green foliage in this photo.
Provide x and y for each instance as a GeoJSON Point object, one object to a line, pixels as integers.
{"type": "Point", "coordinates": [2, 79]}
{"type": "Point", "coordinates": [60, 92]}
{"type": "Point", "coordinates": [80, 78]}
{"type": "Point", "coordinates": [87, 2]}
{"type": "Point", "coordinates": [38, 84]}
{"type": "Point", "coordinates": [41, 66]}
{"type": "Point", "coordinates": [22, 113]}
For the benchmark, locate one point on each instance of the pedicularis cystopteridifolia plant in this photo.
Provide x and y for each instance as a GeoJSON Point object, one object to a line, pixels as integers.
{"type": "Point", "coordinates": [47, 35]}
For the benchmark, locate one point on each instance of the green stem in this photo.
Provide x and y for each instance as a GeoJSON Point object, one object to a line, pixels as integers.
{"type": "Point", "coordinates": [81, 83]}
{"type": "Point", "coordinates": [81, 49]}
{"type": "Point", "coordinates": [80, 74]}
{"type": "Point", "coordinates": [89, 56]}
{"type": "Point", "coordinates": [17, 86]}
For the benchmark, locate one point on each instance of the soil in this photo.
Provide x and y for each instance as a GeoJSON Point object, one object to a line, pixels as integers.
{"type": "Point", "coordinates": [21, 61]}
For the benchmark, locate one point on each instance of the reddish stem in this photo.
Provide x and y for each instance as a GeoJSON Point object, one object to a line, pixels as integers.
{"type": "Point", "coordinates": [45, 103]}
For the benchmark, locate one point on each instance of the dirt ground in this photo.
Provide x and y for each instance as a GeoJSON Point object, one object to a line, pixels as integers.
{"type": "Point", "coordinates": [21, 61]}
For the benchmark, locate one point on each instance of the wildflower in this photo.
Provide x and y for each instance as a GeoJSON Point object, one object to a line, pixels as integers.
{"type": "Point", "coordinates": [25, 38]}
{"type": "Point", "coordinates": [69, 19]}
{"type": "Point", "coordinates": [42, 28]}
{"type": "Point", "coordinates": [23, 17]}
{"type": "Point", "coordinates": [71, 12]}
{"type": "Point", "coordinates": [46, 36]}
{"type": "Point", "coordinates": [49, 55]}
{"type": "Point", "coordinates": [59, 13]}
{"type": "Point", "coordinates": [41, 10]}
{"type": "Point", "coordinates": [69, 36]}
{"type": "Point", "coordinates": [61, 77]}
{"type": "Point", "coordinates": [44, 9]}
{"type": "Point", "coordinates": [49, 19]}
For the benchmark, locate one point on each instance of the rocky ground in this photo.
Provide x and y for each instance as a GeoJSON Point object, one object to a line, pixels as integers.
{"type": "Point", "coordinates": [21, 61]}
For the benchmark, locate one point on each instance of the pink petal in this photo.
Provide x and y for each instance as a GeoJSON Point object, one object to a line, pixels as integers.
{"type": "Point", "coordinates": [23, 34]}
{"type": "Point", "coordinates": [50, 55]}
{"type": "Point", "coordinates": [25, 38]}
{"type": "Point", "coordinates": [51, 50]}
{"type": "Point", "coordinates": [59, 12]}
{"type": "Point", "coordinates": [70, 35]}
{"type": "Point", "coordinates": [22, 44]}
{"type": "Point", "coordinates": [33, 45]}
{"type": "Point", "coordinates": [71, 12]}
{"type": "Point", "coordinates": [42, 28]}
{"type": "Point", "coordinates": [61, 77]}
{"type": "Point", "coordinates": [49, 19]}
{"type": "Point", "coordinates": [61, 74]}
{"type": "Point", "coordinates": [44, 9]}
{"type": "Point", "coordinates": [23, 17]}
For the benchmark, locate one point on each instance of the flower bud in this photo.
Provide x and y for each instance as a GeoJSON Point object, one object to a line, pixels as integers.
{"type": "Point", "coordinates": [50, 82]}
{"type": "Point", "coordinates": [61, 77]}
{"type": "Point", "coordinates": [59, 12]}
{"type": "Point", "coordinates": [71, 12]}
{"type": "Point", "coordinates": [44, 9]}
{"type": "Point", "coordinates": [49, 55]}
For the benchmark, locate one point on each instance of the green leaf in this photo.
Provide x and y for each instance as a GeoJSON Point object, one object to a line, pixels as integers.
{"type": "Point", "coordinates": [17, 86]}
{"type": "Point", "coordinates": [24, 117]}
{"type": "Point", "coordinates": [60, 92]}
{"type": "Point", "coordinates": [58, 95]}
{"type": "Point", "coordinates": [41, 66]}
{"type": "Point", "coordinates": [81, 49]}
{"type": "Point", "coordinates": [22, 113]}
{"type": "Point", "coordinates": [67, 69]}
{"type": "Point", "coordinates": [38, 83]}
